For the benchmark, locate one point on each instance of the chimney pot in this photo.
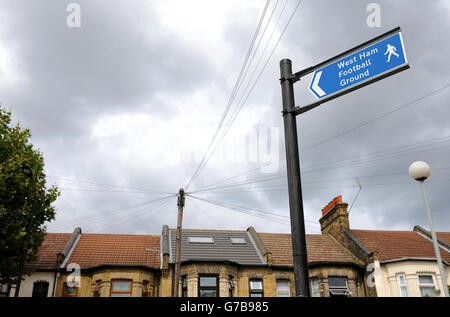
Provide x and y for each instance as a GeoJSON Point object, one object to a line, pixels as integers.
{"type": "Point", "coordinates": [331, 204]}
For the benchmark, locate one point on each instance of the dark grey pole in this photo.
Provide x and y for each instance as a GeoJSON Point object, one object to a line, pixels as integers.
{"type": "Point", "coordinates": [294, 182]}
{"type": "Point", "coordinates": [25, 250]}
{"type": "Point", "coordinates": [28, 171]}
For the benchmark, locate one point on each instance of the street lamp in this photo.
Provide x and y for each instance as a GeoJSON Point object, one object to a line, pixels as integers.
{"type": "Point", "coordinates": [420, 171]}
{"type": "Point", "coordinates": [28, 171]}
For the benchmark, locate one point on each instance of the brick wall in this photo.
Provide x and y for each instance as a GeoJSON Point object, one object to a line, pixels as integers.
{"type": "Point", "coordinates": [88, 282]}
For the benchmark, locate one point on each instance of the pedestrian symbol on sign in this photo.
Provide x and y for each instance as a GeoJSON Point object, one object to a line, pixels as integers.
{"type": "Point", "coordinates": [391, 50]}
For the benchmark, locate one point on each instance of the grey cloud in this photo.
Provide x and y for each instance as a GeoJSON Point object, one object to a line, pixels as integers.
{"type": "Point", "coordinates": [121, 59]}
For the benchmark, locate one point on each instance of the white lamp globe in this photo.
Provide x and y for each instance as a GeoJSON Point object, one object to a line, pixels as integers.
{"type": "Point", "coordinates": [419, 171]}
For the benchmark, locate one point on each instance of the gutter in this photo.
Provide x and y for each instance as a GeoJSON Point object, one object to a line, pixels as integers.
{"type": "Point", "coordinates": [158, 279]}
{"type": "Point", "coordinates": [412, 259]}
{"type": "Point", "coordinates": [54, 283]}
{"type": "Point", "coordinates": [221, 261]}
{"type": "Point", "coordinates": [329, 263]}
{"type": "Point", "coordinates": [120, 266]}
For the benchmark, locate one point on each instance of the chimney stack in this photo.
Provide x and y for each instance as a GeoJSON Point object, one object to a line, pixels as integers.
{"type": "Point", "coordinates": [335, 216]}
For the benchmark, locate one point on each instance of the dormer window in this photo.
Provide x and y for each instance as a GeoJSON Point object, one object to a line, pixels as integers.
{"type": "Point", "coordinates": [238, 241]}
{"type": "Point", "coordinates": [206, 240]}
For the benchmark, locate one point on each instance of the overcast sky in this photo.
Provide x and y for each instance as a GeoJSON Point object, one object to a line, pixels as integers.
{"type": "Point", "coordinates": [124, 107]}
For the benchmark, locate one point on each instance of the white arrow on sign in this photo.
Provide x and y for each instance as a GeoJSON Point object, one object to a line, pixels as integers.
{"type": "Point", "coordinates": [315, 85]}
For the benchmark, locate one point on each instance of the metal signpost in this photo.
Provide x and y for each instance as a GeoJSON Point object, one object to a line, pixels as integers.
{"type": "Point", "coordinates": [362, 65]}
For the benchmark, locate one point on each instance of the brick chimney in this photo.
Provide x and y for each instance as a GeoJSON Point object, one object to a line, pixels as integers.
{"type": "Point", "coordinates": [335, 217]}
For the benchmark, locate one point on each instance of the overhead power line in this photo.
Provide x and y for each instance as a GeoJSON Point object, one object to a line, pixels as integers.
{"type": "Point", "coordinates": [191, 201]}
{"type": "Point", "coordinates": [384, 115]}
{"type": "Point", "coordinates": [378, 117]}
{"type": "Point", "coordinates": [107, 185]}
{"type": "Point", "coordinates": [374, 156]}
{"type": "Point", "coordinates": [69, 223]}
{"type": "Point", "coordinates": [107, 191]}
{"type": "Point", "coordinates": [145, 212]}
{"type": "Point", "coordinates": [233, 94]}
{"type": "Point", "coordinates": [259, 212]}
{"type": "Point", "coordinates": [239, 107]}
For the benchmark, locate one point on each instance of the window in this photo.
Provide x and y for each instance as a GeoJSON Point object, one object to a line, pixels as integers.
{"type": "Point", "coordinates": [184, 287]}
{"type": "Point", "coordinates": [338, 286]}
{"type": "Point", "coordinates": [427, 285]}
{"type": "Point", "coordinates": [402, 285]}
{"type": "Point", "coordinates": [40, 289]}
{"type": "Point", "coordinates": [4, 290]}
{"type": "Point", "coordinates": [283, 288]}
{"type": "Point", "coordinates": [256, 287]}
{"type": "Point", "coordinates": [70, 291]}
{"type": "Point", "coordinates": [209, 240]}
{"type": "Point", "coordinates": [315, 288]}
{"type": "Point", "coordinates": [121, 288]}
{"type": "Point", "coordinates": [207, 286]}
{"type": "Point", "coordinates": [238, 241]}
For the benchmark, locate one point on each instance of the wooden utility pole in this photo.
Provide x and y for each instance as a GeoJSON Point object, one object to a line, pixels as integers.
{"type": "Point", "coordinates": [178, 242]}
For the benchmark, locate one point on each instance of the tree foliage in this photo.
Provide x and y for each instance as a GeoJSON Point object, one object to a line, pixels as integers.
{"type": "Point", "coordinates": [17, 191]}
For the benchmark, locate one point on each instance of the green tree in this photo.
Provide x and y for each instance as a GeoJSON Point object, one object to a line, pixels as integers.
{"type": "Point", "coordinates": [17, 191]}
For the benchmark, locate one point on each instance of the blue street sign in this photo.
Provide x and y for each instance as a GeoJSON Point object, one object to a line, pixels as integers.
{"type": "Point", "coordinates": [360, 67]}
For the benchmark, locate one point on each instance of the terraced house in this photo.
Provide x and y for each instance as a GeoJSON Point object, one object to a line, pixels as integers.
{"type": "Point", "coordinates": [229, 263]}
{"type": "Point", "coordinates": [401, 263]}
{"type": "Point", "coordinates": [111, 265]}
{"type": "Point", "coordinates": [42, 283]}
{"type": "Point", "coordinates": [251, 264]}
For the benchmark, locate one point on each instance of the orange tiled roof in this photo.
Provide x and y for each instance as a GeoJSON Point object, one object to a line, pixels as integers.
{"type": "Point", "coordinates": [398, 244]}
{"type": "Point", "coordinates": [321, 248]}
{"type": "Point", "coordinates": [444, 236]}
{"type": "Point", "coordinates": [115, 249]}
{"type": "Point", "coordinates": [52, 245]}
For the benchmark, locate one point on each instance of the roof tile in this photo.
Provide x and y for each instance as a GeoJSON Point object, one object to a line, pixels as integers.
{"type": "Point", "coordinates": [320, 248]}
{"type": "Point", "coordinates": [114, 249]}
{"type": "Point", "coordinates": [398, 244]}
{"type": "Point", "coordinates": [52, 245]}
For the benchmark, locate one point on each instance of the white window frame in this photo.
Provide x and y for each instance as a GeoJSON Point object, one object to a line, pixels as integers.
{"type": "Point", "coordinates": [284, 293]}
{"type": "Point", "coordinates": [4, 288]}
{"type": "Point", "coordinates": [201, 240]}
{"type": "Point", "coordinates": [315, 292]}
{"type": "Point", "coordinates": [400, 285]}
{"type": "Point", "coordinates": [120, 292]}
{"type": "Point", "coordinates": [256, 287]}
{"type": "Point", "coordinates": [235, 240]}
{"type": "Point", "coordinates": [427, 285]}
{"type": "Point", "coordinates": [339, 290]}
